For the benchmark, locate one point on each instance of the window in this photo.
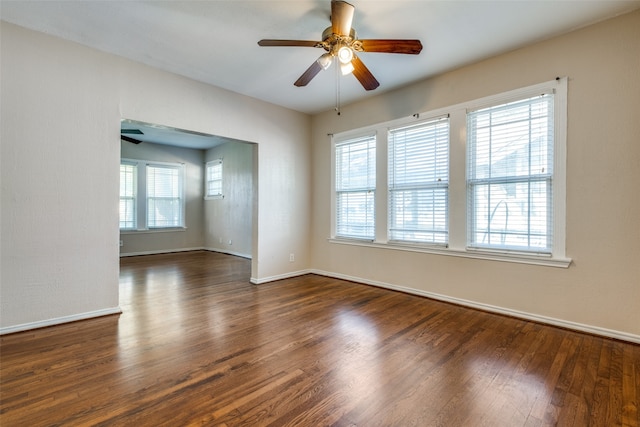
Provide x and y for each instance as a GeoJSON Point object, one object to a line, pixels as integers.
{"type": "Point", "coordinates": [213, 181]}
{"type": "Point", "coordinates": [419, 182]}
{"type": "Point", "coordinates": [161, 202]}
{"type": "Point", "coordinates": [482, 179]}
{"type": "Point", "coordinates": [510, 175]}
{"type": "Point", "coordinates": [164, 196]}
{"type": "Point", "coordinates": [128, 186]}
{"type": "Point", "coordinates": [355, 187]}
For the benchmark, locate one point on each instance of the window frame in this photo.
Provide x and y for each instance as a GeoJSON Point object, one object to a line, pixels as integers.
{"type": "Point", "coordinates": [458, 225]}
{"type": "Point", "coordinates": [134, 196]}
{"type": "Point", "coordinates": [397, 186]}
{"type": "Point", "coordinates": [346, 139]}
{"type": "Point", "coordinates": [142, 225]}
{"type": "Point", "coordinates": [497, 177]}
{"type": "Point", "coordinates": [210, 165]}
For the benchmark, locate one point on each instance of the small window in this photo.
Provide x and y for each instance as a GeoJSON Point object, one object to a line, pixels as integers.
{"type": "Point", "coordinates": [355, 188]}
{"type": "Point", "coordinates": [213, 181]}
{"type": "Point", "coordinates": [510, 175]}
{"type": "Point", "coordinates": [418, 178]}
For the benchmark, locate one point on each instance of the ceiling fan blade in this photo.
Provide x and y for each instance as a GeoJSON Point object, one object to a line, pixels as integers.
{"type": "Point", "coordinates": [301, 43]}
{"type": "Point", "coordinates": [363, 74]}
{"type": "Point", "coordinates": [129, 139]}
{"type": "Point", "coordinates": [311, 72]}
{"type": "Point", "coordinates": [341, 17]}
{"type": "Point", "coordinates": [411, 47]}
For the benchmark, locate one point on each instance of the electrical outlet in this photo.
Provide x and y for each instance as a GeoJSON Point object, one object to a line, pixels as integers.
{"type": "Point", "coordinates": [229, 241]}
{"type": "Point", "coordinates": [121, 244]}
{"type": "Point", "coordinates": [292, 257]}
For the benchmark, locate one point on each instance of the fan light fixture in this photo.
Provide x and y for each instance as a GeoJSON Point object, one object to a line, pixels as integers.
{"type": "Point", "coordinates": [346, 68]}
{"type": "Point", "coordinates": [325, 60]}
{"type": "Point", "coordinates": [345, 54]}
{"type": "Point", "coordinates": [340, 41]}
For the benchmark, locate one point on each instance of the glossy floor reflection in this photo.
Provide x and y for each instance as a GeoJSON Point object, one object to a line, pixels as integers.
{"type": "Point", "coordinates": [197, 344]}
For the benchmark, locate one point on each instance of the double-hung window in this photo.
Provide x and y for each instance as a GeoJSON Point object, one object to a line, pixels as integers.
{"type": "Point", "coordinates": [482, 179]}
{"type": "Point", "coordinates": [128, 190]}
{"type": "Point", "coordinates": [164, 196]}
{"type": "Point", "coordinates": [355, 185]}
{"type": "Point", "coordinates": [510, 175]}
{"type": "Point", "coordinates": [418, 188]}
{"type": "Point", "coordinates": [151, 195]}
{"type": "Point", "coordinates": [213, 181]}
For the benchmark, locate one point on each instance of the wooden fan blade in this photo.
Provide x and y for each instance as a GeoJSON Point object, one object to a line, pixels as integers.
{"type": "Point", "coordinates": [341, 17]}
{"type": "Point", "coordinates": [311, 72]}
{"type": "Point", "coordinates": [363, 74]}
{"type": "Point", "coordinates": [411, 47]}
{"type": "Point", "coordinates": [301, 43]}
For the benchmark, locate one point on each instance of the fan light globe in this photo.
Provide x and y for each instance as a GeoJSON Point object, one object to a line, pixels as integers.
{"type": "Point", "coordinates": [345, 54]}
{"type": "Point", "coordinates": [346, 68]}
{"type": "Point", "coordinates": [325, 61]}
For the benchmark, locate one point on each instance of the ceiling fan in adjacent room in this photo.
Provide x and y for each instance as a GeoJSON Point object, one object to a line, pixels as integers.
{"type": "Point", "coordinates": [341, 44]}
{"type": "Point", "coordinates": [128, 138]}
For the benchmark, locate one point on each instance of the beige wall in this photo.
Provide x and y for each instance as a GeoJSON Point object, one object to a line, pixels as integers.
{"type": "Point", "coordinates": [163, 241]}
{"type": "Point", "coordinates": [61, 110]}
{"type": "Point", "coordinates": [600, 291]}
{"type": "Point", "coordinates": [60, 150]}
{"type": "Point", "coordinates": [230, 218]}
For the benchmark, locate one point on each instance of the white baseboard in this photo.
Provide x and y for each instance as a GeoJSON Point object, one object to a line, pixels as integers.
{"type": "Point", "coordinates": [162, 251]}
{"type": "Point", "coordinates": [280, 277]}
{"type": "Point", "coordinates": [170, 251]}
{"type": "Point", "coordinates": [228, 252]}
{"type": "Point", "coordinates": [60, 320]}
{"type": "Point", "coordinates": [594, 330]}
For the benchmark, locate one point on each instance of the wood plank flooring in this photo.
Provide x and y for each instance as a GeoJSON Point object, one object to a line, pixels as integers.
{"type": "Point", "coordinates": [197, 344]}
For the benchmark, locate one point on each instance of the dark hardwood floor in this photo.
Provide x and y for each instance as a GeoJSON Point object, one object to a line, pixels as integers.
{"type": "Point", "coordinates": [197, 344]}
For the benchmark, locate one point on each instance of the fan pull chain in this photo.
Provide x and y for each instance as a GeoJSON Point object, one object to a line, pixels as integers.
{"type": "Point", "coordinates": [337, 88]}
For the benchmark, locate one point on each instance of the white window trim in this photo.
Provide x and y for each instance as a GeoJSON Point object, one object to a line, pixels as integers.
{"type": "Point", "coordinates": [457, 181]}
{"type": "Point", "coordinates": [209, 164]}
{"type": "Point", "coordinates": [141, 199]}
{"type": "Point", "coordinates": [135, 193]}
{"type": "Point", "coordinates": [345, 136]}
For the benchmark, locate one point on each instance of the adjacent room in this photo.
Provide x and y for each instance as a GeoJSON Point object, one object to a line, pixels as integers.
{"type": "Point", "coordinates": [320, 213]}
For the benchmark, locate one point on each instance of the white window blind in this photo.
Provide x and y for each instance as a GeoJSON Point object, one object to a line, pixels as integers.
{"type": "Point", "coordinates": [418, 177]}
{"type": "Point", "coordinates": [213, 181]}
{"type": "Point", "coordinates": [510, 175]}
{"type": "Point", "coordinates": [355, 187]}
{"type": "Point", "coordinates": [164, 196]}
{"type": "Point", "coordinates": [128, 184]}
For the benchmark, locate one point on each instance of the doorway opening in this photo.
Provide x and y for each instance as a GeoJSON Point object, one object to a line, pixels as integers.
{"type": "Point", "coordinates": [164, 205]}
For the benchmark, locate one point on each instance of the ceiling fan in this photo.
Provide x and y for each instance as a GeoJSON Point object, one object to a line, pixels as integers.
{"type": "Point", "coordinates": [340, 41]}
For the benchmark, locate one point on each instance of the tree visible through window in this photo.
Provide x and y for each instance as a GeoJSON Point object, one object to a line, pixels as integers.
{"type": "Point", "coordinates": [510, 175]}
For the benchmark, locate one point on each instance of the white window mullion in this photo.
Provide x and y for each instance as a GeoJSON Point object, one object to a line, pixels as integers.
{"type": "Point", "coordinates": [381, 201]}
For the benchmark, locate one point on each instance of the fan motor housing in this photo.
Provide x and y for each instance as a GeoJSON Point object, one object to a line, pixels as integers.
{"type": "Point", "coordinates": [330, 38]}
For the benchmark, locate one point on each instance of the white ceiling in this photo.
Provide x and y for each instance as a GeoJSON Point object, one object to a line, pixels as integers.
{"type": "Point", "coordinates": [215, 41]}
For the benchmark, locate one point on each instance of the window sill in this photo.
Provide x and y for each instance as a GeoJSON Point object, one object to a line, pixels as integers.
{"type": "Point", "coordinates": [533, 259]}
{"type": "Point", "coordinates": [154, 230]}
